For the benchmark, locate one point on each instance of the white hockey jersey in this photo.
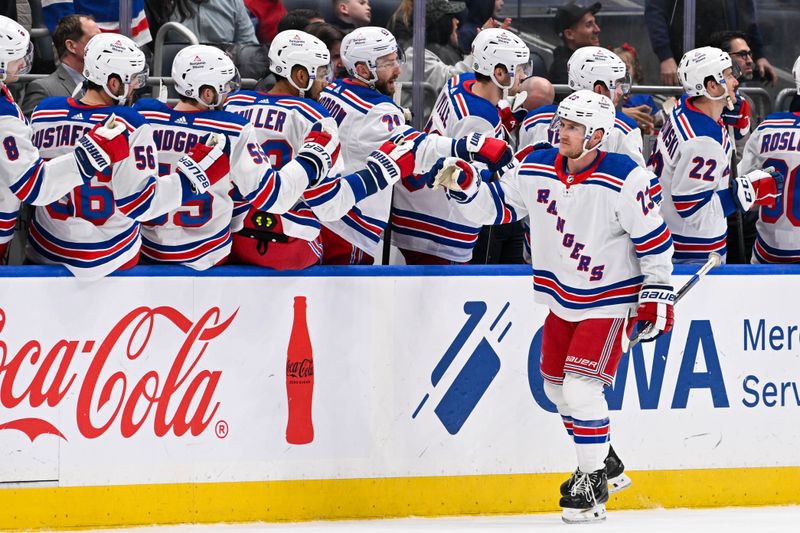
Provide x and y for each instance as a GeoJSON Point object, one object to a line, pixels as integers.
{"type": "Point", "coordinates": [423, 220]}
{"type": "Point", "coordinates": [776, 143]}
{"type": "Point", "coordinates": [691, 158]}
{"type": "Point", "coordinates": [25, 176]}
{"type": "Point", "coordinates": [366, 119]}
{"type": "Point", "coordinates": [625, 138]}
{"type": "Point", "coordinates": [93, 230]}
{"type": "Point", "coordinates": [595, 240]}
{"type": "Point", "coordinates": [198, 234]}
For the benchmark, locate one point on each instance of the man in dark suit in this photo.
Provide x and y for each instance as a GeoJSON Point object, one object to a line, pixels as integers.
{"type": "Point", "coordinates": [70, 38]}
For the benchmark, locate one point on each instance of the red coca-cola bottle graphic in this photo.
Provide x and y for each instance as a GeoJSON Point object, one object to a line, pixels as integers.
{"type": "Point", "coordinates": [299, 378]}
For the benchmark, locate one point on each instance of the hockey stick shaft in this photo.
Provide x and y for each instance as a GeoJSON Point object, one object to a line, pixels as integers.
{"type": "Point", "coordinates": [714, 260]}
{"type": "Point", "coordinates": [739, 214]}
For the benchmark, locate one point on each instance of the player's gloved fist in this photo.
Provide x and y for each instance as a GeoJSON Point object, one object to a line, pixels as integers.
{"type": "Point", "coordinates": [204, 165]}
{"type": "Point", "coordinates": [105, 144]}
{"type": "Point", "coordinates": [655, 314]}
{"type": "Point", "coordinates": [391, 163]}
{"type": "Point", "coordinates": [760, 187]}
{"type": "Point", "coordinates": [507, 117]}
{"type": "Point", "coordinates": [739, 116]}
{"type": "Point", "coordinates": [495, 153]}
{"type": "Point", "coordinates": [456, 175]}
{"type": "Point", "coordinates": [319, 152]}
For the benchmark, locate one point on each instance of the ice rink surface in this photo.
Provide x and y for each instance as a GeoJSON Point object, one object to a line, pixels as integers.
{"type": "Point", "coordinates": [727, 520]}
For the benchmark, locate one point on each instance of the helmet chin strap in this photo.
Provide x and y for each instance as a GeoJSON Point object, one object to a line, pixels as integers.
{"type": "Point", "coordinates": [370, 82]}
{"type": "Point", "coordinates": [302, 90]}
{"type": "Point", "coordinates": [504, 88]}
{"type": "Point", "coordinates": [585, 143]}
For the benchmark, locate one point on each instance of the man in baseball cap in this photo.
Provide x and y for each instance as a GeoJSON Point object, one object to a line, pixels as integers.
{"type": "Point", "coordinates": [576, 25]}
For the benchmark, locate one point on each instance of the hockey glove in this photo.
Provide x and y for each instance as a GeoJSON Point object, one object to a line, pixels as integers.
{"type": "Point", "coordinates": [204, 165]}
{"type": "Point", "coordinates": [495, 153]}
{"type": "Point", "coordinates": [656, 303]}
{"type": "Point", "coordinates": [739, 116]}
{"type": "Point", "coordinates": [319, 153]}
{"type": "Point", "coordinates": [105, 144]}
{"type": "Point", "coordinates": [760, 187]}
{"type": "Point", "coordinates": [512, 113]}
{"type": "Point", "coordinates": [456, 175]}
{"type": "Point", "coordinates": [385, 167]}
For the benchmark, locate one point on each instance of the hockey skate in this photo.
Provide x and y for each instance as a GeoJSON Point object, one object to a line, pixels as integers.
{"type": "Point", "coordinates": [587, 497]}
{"type": "Point", "coordinates": [615, 470]}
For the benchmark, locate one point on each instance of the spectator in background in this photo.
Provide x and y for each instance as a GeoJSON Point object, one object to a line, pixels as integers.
{"type": "Point", "coordinates": [298, 19]}
{"type": "Point", "coordinates": [480, 14]}
{"type": "Point", "coordinates": [664, 20]}
{"type": "Point", "coordinates": [794, 105]}
{"type": "Point", "coordinates": [267, 13]}
{"type": "Point", "coordinates": [212, 21]}
{"type": "Point", "coordinates": [70, 38]}
{"type": "Point", "coordinates": [332, 37]}
{"type": "Point", "coordinates": [442, 57]}
{"type": "Point", "coordinates": [640, 107]}
{"type": "Point", "coordinates": [400, 23]}
{"type": "Point", "coordinates": [577, 27]}
{"type": "Point", "coordinates": [106, 13]}
{"type": "Point", "coordinates": [351, 14]}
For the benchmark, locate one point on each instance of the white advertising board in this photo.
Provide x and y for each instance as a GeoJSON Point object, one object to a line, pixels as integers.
{"type": "Point", "coordinates": [134, 380]}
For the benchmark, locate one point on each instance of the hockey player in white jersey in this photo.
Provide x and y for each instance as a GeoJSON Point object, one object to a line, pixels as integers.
{"type": "Point", "coordinates": [282, 118]}
{"type": "Point", "coordinates": [692, 158]}
{"type": "Point", "coordinates": [367, 117]}
{"type": "Point", "coordinates": [426, 227]}
{"type": "Point", "coordinates": [776, 144]}
{"type": "Point", "coordinates": [95, 229]}
{"type": "Point", "coordinates": [199, 233]}
{"type": "Point", "coordinates": [602, 71]}
{"type": "Point", "coordinates": [600, 250]}
{"type": "Point", "coordinates": [26, 177]}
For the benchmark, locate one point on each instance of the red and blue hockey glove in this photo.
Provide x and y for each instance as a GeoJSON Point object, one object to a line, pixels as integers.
{"type": "Point", "coordinates": [739, 116]}
{"type": "Point", "coordinates": [204, 165]}
{"type": "Point", "coordinates": [760, 187]}
{"type": "Point", "coordinates": [385, 167]}
{"type": "Point", "coordinates": [319, 153]}
{"type": "Point", "coordinates": [102, 146]}
{"type": "Point", "coordinates": [456, 175]}
{"type": "Point", "coordinates": [656, 307]}
{"type": "Point", "coordinates": [495, 153]}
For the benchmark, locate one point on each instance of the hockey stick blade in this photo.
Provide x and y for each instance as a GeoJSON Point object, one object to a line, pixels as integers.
{"type": "Point", "coordinates": [714, 260]}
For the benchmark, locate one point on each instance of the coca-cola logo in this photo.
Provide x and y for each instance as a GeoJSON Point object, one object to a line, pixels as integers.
{"type": "Point", "coordinates": [300, 369]}
{"type": "Point", "coordinates": [179, 400]}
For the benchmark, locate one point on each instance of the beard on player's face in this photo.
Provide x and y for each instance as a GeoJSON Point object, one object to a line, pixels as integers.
{"type": "Point", "coordinates": [386, 86]}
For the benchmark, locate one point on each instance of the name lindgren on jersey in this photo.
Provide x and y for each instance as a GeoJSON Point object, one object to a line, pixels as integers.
{"type": "Point", "coordinates": [423, 220]}
{"type": "Point", "coordinates": [625, 138]}
{"type": "Point", "coordinates": [691, 158]}
{"type": "Point", "coordinates": [776, 143]}
{"type": "Point", "coordinates": [367, 119]}
{"type": "Point", "coordinates": [93, 230]}
{"type": "Point", "coordinates": [597, 235]}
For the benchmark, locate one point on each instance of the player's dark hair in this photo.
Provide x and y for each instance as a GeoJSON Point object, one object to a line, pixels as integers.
{"type": "Point", "coordinates": [722, 39]}
{"type": "Point", "coordinates": [482, 77]}
{"type": "Point", "coordinates": [68, 28]}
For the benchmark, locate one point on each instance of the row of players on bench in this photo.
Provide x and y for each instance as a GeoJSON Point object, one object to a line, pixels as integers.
{"type": "Point", "coordinates": [303, 174]}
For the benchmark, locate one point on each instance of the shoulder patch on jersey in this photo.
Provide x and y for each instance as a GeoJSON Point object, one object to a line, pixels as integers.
{"type": "Point", "coordinates": [779, 120]}
{"type": "Point", "coordinates": [618, 165]}
{"type": "Point", "coordinates": [540, 115]}
{"type": "Point", "coordinates": [467, 103]}
{"type": "Point", "coordinates": [625, 123]}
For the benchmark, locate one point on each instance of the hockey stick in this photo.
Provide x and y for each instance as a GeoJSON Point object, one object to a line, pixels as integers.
{"type": "Point", "coordinates": [739, 214]}
{"type": "Point", "coordinates": [714, 260]}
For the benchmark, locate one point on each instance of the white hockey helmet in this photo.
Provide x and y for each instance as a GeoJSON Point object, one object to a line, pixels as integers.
{"type": "Point", "coordinates": [292, 48]}
{"type": "Point", "coordinates": [594, 111]}
{"type": "Point", "coordinates": [496, 46]}
{"type": "Point", "coordinates": [796, 73]}
{"type": "Point", "coordinates": [15, 43]}
{"type": "Point", "coordinates": [698, 64]}
{"type": "Point", "coordinates": [197, 66]}
{"type": "Point", "coordinates": [591, 64]}
{"type": "Point", "coordinates": [366, 45]}
{"type": "Point", "coordinates": [110, 54]}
